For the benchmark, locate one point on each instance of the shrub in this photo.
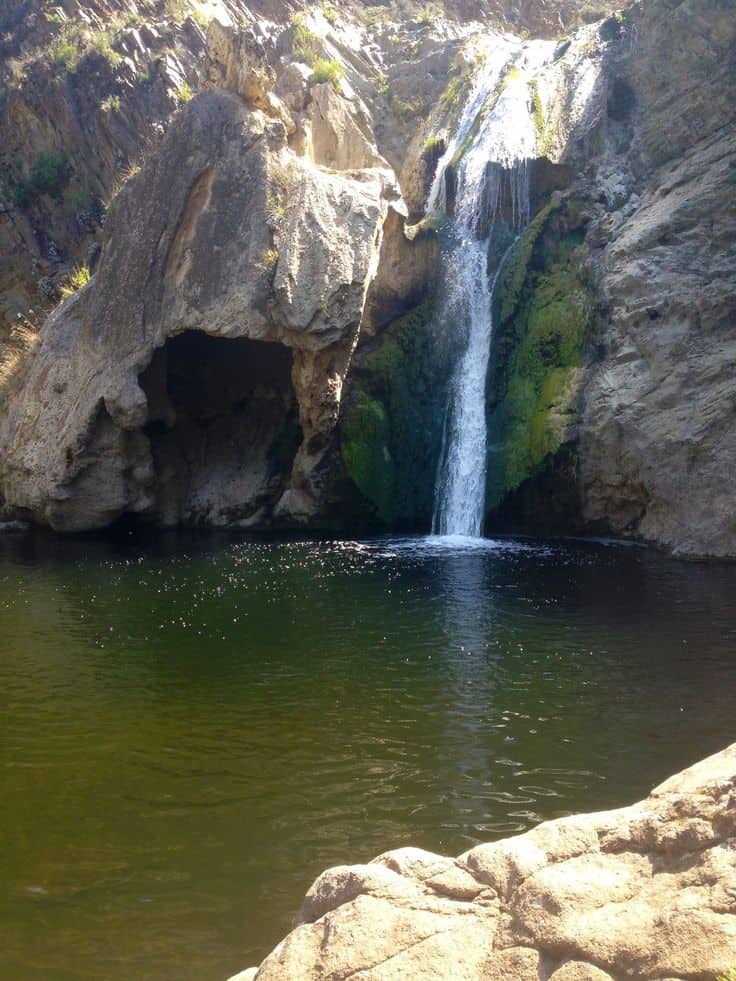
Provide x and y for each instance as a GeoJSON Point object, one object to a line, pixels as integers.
{"type": "Point", "coordinates": [305, 45]}
{"type": "Point", "coordinates": [184, 94]}
{"type": "Point", "coordinates": [79, 277]}
{"type": "Point", "coordinates": [270, 260]}
{"type": "Point", "coordinates": [111, 104]}
{"type": "Point", "coordinates": [76, 41]}
{"type": "Point", "coordinates": [327, 70]}
{"type": "Point", "coordinates": [49, 175]}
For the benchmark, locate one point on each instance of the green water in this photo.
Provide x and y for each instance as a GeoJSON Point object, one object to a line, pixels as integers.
{"type": "Point", "coordinates": [191, 729]}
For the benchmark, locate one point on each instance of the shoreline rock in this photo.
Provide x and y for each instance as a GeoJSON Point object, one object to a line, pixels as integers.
{"type": "Point", "coordinates": [645, 891]}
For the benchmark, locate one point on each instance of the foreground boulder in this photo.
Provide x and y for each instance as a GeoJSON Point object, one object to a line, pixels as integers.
{"type": "Point", "coordinates": [647, 891]}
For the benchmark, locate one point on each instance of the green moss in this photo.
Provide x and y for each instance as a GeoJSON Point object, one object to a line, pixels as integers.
{"type": "Point", "coordinates": [538, 110]}
{"type": "Point", "coordinates": [455, 91]}
{"type": "Point", "coordinates": [391, 429]}
{"type": "Point", "coordinates": [366, 456]}
{"type": "Point", "coordinates": [542, 311]}
{"type": "Point", "coordinates": [514, 273]}
{"type": "Point", "coordinates": [434, 147]}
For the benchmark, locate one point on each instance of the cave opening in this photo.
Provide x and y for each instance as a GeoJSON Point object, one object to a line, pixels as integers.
{"type": "Point", "coordinates": [223, 427]}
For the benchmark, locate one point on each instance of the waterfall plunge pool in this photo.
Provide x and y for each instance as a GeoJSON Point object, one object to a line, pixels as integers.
{"type": "Point", "coordinates": [191, 728]}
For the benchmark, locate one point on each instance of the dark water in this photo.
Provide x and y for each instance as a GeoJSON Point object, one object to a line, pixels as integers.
{"type": "Point", "coordinates": [191, 729]}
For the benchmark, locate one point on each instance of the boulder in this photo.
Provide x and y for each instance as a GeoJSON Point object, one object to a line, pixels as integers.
{"type": "Point", "coordinates": [646, 891]}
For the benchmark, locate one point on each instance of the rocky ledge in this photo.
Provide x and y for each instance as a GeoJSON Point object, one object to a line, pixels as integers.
{"type": "Point", "coordinates": [647, 891]}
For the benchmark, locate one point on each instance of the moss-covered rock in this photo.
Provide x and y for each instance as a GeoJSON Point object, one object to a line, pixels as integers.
{"type": "Point", "coordinates": [542, 317]}
{"type": "Point", "coordinates": [391, 428]}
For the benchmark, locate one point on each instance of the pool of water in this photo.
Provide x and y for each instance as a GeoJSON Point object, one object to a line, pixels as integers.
{"type": "Point", "coordinates": [192, 728]}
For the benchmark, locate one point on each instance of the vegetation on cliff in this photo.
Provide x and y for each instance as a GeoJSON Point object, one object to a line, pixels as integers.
{"type": "Point", "coordinates": [542, 316]}
{"type": "Point", "coordinates": [392, 425]}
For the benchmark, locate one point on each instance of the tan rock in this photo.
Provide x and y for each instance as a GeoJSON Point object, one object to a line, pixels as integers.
{"type": "Point", "coordinates": [648, 908]}
{"type": "Point", "coordinates": [579, 971]}
{"type": "Point", "coordinates": [236, 238]}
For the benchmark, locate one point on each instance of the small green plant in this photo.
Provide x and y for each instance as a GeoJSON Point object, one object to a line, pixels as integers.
{"type": "Point", "coordinates": [184, 94]}
{"type": "Point", "coordinates": [327, 70]}
{"type": "Point", "coordinates": [178, 9]}
{"type": "Point", "coordinates": [76, 41]}
{"type": "Point", "coordinates": [78, 278]}
{"type": "Point", "coordinates": [65, 53]}
{"type": "Point", "coordinates": [452, 94]}
{"type": "Point", "coordinates": [434, 147]}
{"type": "Point", "coordinates": [382, 86]}
{"type": "Point", "coordinates": [111, 104]}
{"type": "Point", "coordinates": [270, 260]}
{"type": "Point", "coordinates": [131, 18]}
{"type": "Point", "coordinates": [49, 175]}
{"type": "Point", "coordinates": [52, 17]}
{"type": "Point", "coordinates": [430, 13]}
{"type": "Point", "coordinates": [405, 110]}
{"type": "Point", "coordinates": [329, 13]}
{"type": "Point", "coordinates": [276, 208]}
{"type": "Point", "coordinates": [305, 45]}
{"type": "Point", "coordinates": [374, 16]}
{"type": "Point", "coordinates": [729, 975]}
{"type": "Point", "coordinates": [201, 17]}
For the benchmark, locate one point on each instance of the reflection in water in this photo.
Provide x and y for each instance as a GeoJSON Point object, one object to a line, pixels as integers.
{"type": "Point", "coordinates": [192, 728]}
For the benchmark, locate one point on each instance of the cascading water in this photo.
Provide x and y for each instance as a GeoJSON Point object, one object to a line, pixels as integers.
{"type": "Point", "coordinates": [495, 139]}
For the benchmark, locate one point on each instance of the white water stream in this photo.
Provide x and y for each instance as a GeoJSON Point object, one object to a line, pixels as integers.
{"type": "Point", "coordinates": [495, 139]}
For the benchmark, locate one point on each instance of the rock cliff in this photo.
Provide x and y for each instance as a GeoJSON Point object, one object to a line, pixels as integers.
{"type": "Point", "coordinates": [647, 891]}
{"type": "Point", "coordinates": [619, 304]}
{"type": "Point", "coordinates": [258, 342]}
{"type": "Point", "coordinates": [236, 236]}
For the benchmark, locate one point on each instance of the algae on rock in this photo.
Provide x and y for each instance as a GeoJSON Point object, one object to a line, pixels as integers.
{"type": "Point", "coordinates": [542, 316]}
{"type": "Point", "coordinates": [392, 424]}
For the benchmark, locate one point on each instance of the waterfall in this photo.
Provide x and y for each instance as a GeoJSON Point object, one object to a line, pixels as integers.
{"type": "Point", "coordinates": [495, 139]}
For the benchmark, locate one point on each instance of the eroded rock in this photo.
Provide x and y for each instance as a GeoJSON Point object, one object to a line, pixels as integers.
{"type": "Point", "coordinates": [126, 408]}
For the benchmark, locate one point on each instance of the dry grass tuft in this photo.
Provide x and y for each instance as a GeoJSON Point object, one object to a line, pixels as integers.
{"type": "Point", "coordinates": [16, 352]}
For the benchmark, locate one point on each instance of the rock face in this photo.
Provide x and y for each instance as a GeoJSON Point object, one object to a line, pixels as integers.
{"type": "Point", "coordinates": [267, 218]}
{"type": "Point", "coordinates": [635, 434]}
{"type": "Point", "coordinates": [124, 409]}
{"type": "Point", "coordinates": [658, 435]}
{"type": "Point", "coordinates": [647, 891]}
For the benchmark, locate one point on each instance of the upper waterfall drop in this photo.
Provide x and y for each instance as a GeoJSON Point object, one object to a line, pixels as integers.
{"type": "Point", "coordinates": [495, 139]}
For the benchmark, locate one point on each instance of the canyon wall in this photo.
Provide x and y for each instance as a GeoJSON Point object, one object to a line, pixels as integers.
{"type": "Point", "coordinates": [258, 343]}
